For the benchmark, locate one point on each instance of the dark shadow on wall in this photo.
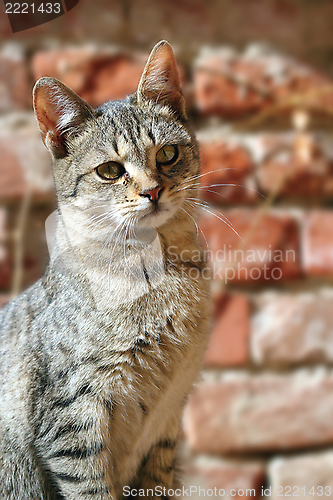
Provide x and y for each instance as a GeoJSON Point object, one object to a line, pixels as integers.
{"type": "Point", "coordinates": [23, 15]}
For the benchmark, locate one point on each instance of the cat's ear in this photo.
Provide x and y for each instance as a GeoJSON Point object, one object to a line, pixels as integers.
{"type": "Point", "coordinates": [160, 80]}
{"type": "Point", "coordinates": [60, 113]}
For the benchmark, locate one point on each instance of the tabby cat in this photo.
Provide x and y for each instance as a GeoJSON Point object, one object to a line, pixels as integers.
{"type": "Point", "coordinates": [93, 378]}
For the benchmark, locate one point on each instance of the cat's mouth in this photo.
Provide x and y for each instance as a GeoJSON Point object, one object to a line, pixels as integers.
{"type": "Point", "coordinates": [155, 217]}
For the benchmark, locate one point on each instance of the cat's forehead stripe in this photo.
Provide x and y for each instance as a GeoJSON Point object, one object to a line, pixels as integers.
{"type": "Point", "coordinates": [136, 126]}
{"type": "Point", "coordinates": [124, 148]}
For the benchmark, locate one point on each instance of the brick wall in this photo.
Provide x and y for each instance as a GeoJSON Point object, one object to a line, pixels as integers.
{"type": "Point", "coordinates": [261, 414]}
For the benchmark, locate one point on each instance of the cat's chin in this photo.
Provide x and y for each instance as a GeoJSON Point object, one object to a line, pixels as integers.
{"type": "Point", "coordinates": [155, 219]}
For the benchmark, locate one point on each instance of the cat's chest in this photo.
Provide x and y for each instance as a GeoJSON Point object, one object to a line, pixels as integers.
{"type": "Point", "coordinates": [144, 363]}
{"type": "Point", "coordinates": [148, 411]}
{"type": "Point", "coordinates": [153, 376]}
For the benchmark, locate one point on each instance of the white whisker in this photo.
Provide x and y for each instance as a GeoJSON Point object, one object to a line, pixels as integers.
{"type": "Point", "coordinates": [197, 226]}
{"type": "Point", "coordinates": [225, 220]}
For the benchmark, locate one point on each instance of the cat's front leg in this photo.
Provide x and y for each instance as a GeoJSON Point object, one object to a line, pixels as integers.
{"type": "Point", "coordinates": [73, 448]}
{"type": "Point", "coordinates": [81, 481]}
{"type": "Point", "coordinates": [157, 471]}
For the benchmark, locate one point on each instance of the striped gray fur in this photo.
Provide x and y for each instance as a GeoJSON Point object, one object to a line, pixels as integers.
{"type": "Point", "coordinates": [92, 390]}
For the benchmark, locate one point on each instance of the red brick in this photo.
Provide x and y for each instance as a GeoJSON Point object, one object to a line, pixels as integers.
{"type": "Point", "coordinates": [298, 164]}
{"type": "Point", "coordinates": [307, 476]}
{"type": "Point", "coordinates": [290, 329]}
{"type": "Point", "coordinates": [226, 173]}
{"type": "Point", "coordinates": [96, 75]}
{"type": "Point", "coordinates": [233, 84]}
{"type": "Point", "coordinates": [25, 161]}
{"type": "Point", "coordinates": [14, 81]}
{"type": "Point", "coordinates": [216, 94]}
{"type": "Point", "coordinates": [230, 476]}
{"type": "Point", "coordinates": [228, 344]}
{"type": "Point", "coordinates": [317, 243]}
{"type": "Point", "coordinates": [252, 413]}
{"type": "Point", "coordinates": [265, 248]}
{"type": "Point", "coordinates": [5, 264]}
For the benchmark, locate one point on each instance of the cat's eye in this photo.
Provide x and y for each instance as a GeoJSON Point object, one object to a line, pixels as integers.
{"type": "Point", "coordinates": [167, 155]}
{"type": "Point", "coordinates": [110, 171]}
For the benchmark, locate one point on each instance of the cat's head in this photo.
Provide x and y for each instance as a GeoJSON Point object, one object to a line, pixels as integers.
{"type": "Point", "coordinates": [134, 158]}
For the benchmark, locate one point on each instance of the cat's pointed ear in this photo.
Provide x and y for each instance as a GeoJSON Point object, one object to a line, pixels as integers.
{"type": "Point", "coordinates": [160, 80]}
{"type": "Point", "coordinates": [60, 113]}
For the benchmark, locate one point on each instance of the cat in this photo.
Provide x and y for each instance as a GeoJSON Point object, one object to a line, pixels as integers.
{"type": "Point", "coordinates": [94, 379]}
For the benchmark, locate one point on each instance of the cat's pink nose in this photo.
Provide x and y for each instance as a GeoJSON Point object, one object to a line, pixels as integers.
{"type": "Point", "coordinates": [152, 194]}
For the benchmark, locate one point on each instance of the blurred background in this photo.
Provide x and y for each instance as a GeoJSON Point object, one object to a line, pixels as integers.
{"type": "Point", "coordinates": [258, 80]}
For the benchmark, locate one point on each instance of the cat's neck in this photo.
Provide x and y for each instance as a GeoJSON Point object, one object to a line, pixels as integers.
{"type": "Point", "coordinates": [180, 238]}
{"type": "Point", "coordinates": [97, 246]}
{"type": "Point", "coordinates": [125, 268]}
